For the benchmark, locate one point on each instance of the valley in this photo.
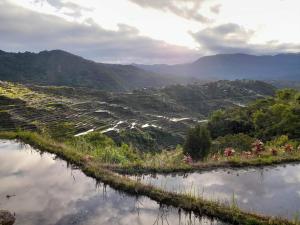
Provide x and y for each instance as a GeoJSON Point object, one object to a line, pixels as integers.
{"type": "Point", "coordinates": [113, 135]}
{"type": "Point", "coordinates": [140, 112]}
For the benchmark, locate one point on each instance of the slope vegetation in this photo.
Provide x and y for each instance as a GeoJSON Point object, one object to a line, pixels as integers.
{"type": "Point", "coordinates": [62, 68]}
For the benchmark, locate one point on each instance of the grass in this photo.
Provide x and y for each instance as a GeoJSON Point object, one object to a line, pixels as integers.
{"type": "Point", "coordinates": [126, 160]}
{"type": "Point", "coordinates": [188, 202]}
{"type": "Point", "coordinates": [234, 162]}
{"type": "Point", "coordinates": [32, 98]}
{"type": "Point", "coordinates": [17, 91]}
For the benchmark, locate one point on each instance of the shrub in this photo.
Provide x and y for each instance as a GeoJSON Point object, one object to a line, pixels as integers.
{"type": "Point", "coordinates": [198, 142]}
{"type": "Point", "coordinates": [265, 118]}
{"type": "Point", "coordinates": [279, 141]}
{"type": "Point", "coordinates": [240, 142]}
{"type": "Point", "coordinates": [97, 139]}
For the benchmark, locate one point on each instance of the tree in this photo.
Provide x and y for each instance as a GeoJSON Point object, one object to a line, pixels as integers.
{"type": "Point", "coordinates": [198, 142]}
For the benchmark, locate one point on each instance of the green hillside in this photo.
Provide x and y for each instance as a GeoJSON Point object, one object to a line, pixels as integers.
{"type": "Point", "coordinates": [62, 68]}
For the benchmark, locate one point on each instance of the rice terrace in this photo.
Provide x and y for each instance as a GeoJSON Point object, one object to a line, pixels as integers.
{"type": "Point", "coordinates": [149, 112]}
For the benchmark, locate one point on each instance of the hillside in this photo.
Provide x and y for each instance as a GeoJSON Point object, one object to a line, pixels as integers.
{"type": "Point", "coordinates": [62, 68]}
{"type": "Point", "coordinates": [148, 118]}
{"type": "Point", "coordinates": [236, 66]}
{"type": "Point", "coordinates": [265, 118]}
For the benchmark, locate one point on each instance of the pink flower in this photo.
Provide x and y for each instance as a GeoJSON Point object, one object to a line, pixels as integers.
{"type": "Point", "coordinates": [187, 159]}
{"type": "Point", "coordinates": [258, 147]}
{"type": "Point", "coordinates": [228, 152]}
{"type": "Point", "coordinates": [288, 148]}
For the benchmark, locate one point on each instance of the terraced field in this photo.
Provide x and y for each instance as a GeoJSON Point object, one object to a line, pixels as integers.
{"type": "Point", "coordinates": [149, 119]}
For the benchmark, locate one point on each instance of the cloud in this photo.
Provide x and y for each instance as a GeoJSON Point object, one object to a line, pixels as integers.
{"type": "Point", "coordinates": [233, 38]}
{"type": "Point", "coordinates": [188, 9]}
{"type": "Point", "coordinates": [25, 30]}
{"type": "Point", "coordinates": [216, 8]}
{"type": "Point", "coordinates": [69, 8]}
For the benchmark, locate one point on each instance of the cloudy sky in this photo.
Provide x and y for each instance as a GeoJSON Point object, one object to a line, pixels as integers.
{"type": "Point", "coordinates": [150, 31]}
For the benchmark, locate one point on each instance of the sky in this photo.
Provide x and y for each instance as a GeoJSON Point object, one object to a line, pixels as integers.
{"type": "Point", "coordinates": [150, 31]}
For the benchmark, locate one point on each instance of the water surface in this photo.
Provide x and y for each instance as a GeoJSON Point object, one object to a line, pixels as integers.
{"type": "Point", "coordinates": [272, 191]}
{"type": "Point", "coordinates": [42, 190]}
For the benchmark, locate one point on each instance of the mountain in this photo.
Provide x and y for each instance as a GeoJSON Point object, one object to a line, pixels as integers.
{"type": "Point", "coordinates": [235, 66]}
{"type": "Point", "coordinates": [61, 68]}
{"type": "Point", "coordinates": [285, 84]}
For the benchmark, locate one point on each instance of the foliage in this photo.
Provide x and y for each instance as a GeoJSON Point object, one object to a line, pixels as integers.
{"type": "Point", "coordinates": [58, 67]}
{"type": "Point", "coordinates": [186, 201]}
{"type": "Point", "coordinates": [164, 159]}
{"type": "Point", "coordinates": [13, 91]}
{"type": "Point", "coordinates": [220, 124]}
{"type": "Point", "coordinates": [149, 139]}
{"type": "Point", "coordinates": [47, 106]}
{"type": "Point", "coordinates": [60, 130]}
{"type": "Point", "coordinates": [265, 119]}
{"type": "Point", "coordinates": [279, 141]}
{"type": "Point", "coordinates": [240, 142]}
{"type": "Point", "coordinates": [140, 139]}
{"type": "Point", "coordinates": [198, 142]}
{"type": "Point", "coordinates": [103, 148]}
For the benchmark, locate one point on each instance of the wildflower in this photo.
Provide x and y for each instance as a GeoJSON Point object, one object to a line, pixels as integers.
{"type": "Point", "coordinates": [258, 147]}
{"type": "Point", "coordinates": [228, 152]}
{"type": "Point", "coordinates": [187, 159]}
{"type": "Point", "coordinates": [288, 148]}
{"type": "Point", "coordinates": [274, 151]}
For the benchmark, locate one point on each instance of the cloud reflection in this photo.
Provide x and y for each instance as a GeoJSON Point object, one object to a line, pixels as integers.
{"type": "Point", "coordinates": [49, 193]}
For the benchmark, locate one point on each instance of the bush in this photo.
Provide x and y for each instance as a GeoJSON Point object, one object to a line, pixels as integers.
{"type": "Point", "coordinates": [264, 119]}
{"type": "Point", "coordinates": [279, 141]}
{"type": "Point", "coordinates": [198, 142]}
{"type": "Point", "coordinates": [220, 124]}
{"type": "Point", "coordinates": [240, 142]}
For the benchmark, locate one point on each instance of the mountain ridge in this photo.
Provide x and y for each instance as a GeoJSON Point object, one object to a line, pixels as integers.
{"type": "Point", "coordinates": [58, 67]}
{"type": "Point", "coordinates": [285, 66]}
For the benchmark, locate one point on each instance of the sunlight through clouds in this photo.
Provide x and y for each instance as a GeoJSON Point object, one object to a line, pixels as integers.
{"type": "Point", "coordinates": [191, 25]}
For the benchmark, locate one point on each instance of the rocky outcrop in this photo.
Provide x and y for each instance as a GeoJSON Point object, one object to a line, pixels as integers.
{"type": "Point", "coordinates": [6, 218]}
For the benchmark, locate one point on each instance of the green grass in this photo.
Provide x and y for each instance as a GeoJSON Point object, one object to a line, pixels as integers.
{"type": "Point", "coordinates": [188, 202]}
{"type": "Point", "coordinates": [234, 162]}
{"type": "Point", "coordinates": [17, 91]}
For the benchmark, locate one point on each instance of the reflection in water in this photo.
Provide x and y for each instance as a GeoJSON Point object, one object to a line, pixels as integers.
{"type": "Point", "coordinates": [43, 190]}
{"type": "Point", "coordinates": [272, 190]}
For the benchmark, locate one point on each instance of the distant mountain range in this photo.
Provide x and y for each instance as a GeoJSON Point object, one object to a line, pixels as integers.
{"type": "Point", "coordinates": [235, 66]}
{"type": "Point", "coordinates": [61, 68]}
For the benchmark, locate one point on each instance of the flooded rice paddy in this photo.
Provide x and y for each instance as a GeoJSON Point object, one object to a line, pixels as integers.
{"type": "Point", "coordinates": [273, 191]}
{"type": "Point", "coordinates": [41, 189]}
